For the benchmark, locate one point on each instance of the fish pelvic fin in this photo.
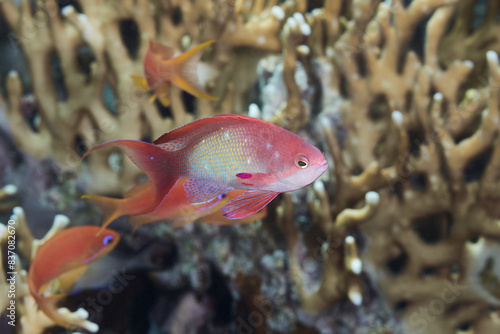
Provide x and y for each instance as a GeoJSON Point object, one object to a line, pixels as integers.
{"type": "Point", "coordinates": [112, 208]}
{"type": "Point", "coordinates": [247, 204]}
{"type": "Point", "coordinates": [140, 83]}
{"type": "Point", "coordinates": [185, 72]}
{"type": "Point", "coordinates": [155, 162]}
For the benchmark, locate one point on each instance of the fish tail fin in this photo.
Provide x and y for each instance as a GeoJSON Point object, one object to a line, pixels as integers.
{"type": "Point", "coordinates": [185, 72]}
{"type": "Point", "coordinates": [154, 162]}
{"type": "Point", "coordinates": [48, 305]}
{"type": "Point", "coordinates": [111, 208]}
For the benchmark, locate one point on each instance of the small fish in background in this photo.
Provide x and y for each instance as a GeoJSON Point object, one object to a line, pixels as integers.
{"type": "Point", "coordinates": [220, 154]}
{"type": "Point", "coordinates": [177, 208]}
{"type": "Point", "coordinates": [162, 70]}
{"type": "Point", "coordinates": [59, 263]}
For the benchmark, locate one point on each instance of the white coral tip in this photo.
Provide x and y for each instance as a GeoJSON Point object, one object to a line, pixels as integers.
{"type": "Point", "coordinates": [61, 221]}
{"type": "Point", "coordinates": [492, 56]}
{"type": "Point", "coordinates": [91, 327]}
{"type": "Point", "coordinates": [438, 96]}
{"type": "Point", "coordinates": [305, 29]}
{"type": "Point", "coordinates": [82, 313]}
{"type": "Point", "coordinates": [13, 73]}
{"type": "Point", "coordinates": [67, 10]}
{"type": "Point", "coordinates": [254, 110]}
{"type": "Point", "coordinates": [10, 189]}
{"type": "Point", "coordinates": [18, 211]}
{"type": "Point", "coordinates": [356, 266]}
{"type": "Point", "coordinates": [397, 117]}
{"type": "Point", "coordinates": [278, 12]}
{"type": "Point", "coordinates": [303, 50]}
{"type": "Point", "coordinates": [299, 18]}
{"type": "Point", "coordinates": [469, 63]}
{"type": "Point", "coordinates": [349, 239]}
{"type": "Point", "coordinates": [3, 228]}
{"type": "Point", "coordinates": [355, 297]}
{"type": "Point", "coordinates": [318, 186]}
{"type": "Point", "coordinates": [372, 198]}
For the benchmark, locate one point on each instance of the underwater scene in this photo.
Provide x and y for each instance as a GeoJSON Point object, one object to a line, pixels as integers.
{"type": "Point", "coordinates": [250, 166]}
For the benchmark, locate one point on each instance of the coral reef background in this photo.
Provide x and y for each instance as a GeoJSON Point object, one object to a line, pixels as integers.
{"type": "Point", "coordinates": [401, 234]}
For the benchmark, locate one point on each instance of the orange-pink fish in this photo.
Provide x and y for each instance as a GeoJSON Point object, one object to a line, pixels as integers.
{"type": "Point", "coordinates": [220, 154]}
{"type": "Point", "coordinates": [162, 70]}
{"type": "Point", "coordinates": [60, 261]}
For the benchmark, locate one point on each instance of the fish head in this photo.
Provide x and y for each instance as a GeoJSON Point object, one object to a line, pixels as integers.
{"type": "Point", "coordinates": [301, 164]}
{"type": "Point", "coordinates": [99, 243]}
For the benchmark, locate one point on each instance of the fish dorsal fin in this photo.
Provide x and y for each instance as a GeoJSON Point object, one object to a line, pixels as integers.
{"type": "Point", "coordinates": [165, 52]}
{"type": "Point", "coordinates": [247, 204]}
{"type": "Point", "coordinates": [185, 72]}
{"type": "Point", "coordinates": [201, 191]}
{"type": "Point", "coordinates": [181, 134]}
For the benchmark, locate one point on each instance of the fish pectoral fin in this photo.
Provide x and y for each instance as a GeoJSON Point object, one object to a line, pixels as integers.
{"type": "Point", "coordinates": [140, 82]}
{"type": "Point", "coordinates": [247, 203]}
{"type": "Point", "coordinates": [200, 191]}
{"type": "Point", "coordinates": [68, 279]}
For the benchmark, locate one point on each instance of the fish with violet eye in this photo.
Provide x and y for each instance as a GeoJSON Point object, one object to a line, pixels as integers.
{"type": "Point", "coordinates": [61, 260]}
{"type": "Point", "coordinates": [162, 69]}
{"type": "Point", "coordinates": [220, 154]}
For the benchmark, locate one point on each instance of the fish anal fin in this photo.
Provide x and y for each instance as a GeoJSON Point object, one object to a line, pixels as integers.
{"type": "Point", "coordinates": [163, 93]}
{"type": "Point", "coordinates": [200, 191]}
{"type": "Point", "coordinates": [249, 203]}
{"type": "Point", "coordinates": [112, 208]}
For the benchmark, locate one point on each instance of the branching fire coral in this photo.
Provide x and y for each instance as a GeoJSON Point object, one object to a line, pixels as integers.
{"type": "Point", "coordinates": [403, 93]}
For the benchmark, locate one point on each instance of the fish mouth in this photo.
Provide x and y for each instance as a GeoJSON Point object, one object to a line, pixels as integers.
{"type": "Point", "coordinates": [324, 166]}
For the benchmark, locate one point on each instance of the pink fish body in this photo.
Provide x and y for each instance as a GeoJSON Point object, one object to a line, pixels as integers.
{"type": "Point", "coordinates": [223, 153]}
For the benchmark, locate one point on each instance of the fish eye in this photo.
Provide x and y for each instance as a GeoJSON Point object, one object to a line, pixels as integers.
{"type": "Point", "coordinates": [107, 240]}
{"type": "Point", "coordinates": [301, 161]}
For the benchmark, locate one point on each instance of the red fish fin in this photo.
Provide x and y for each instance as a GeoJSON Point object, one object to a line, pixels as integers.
{"type": "Point", "coordinates": [166, 52]}
{"type": "Point", "coordinates": [112, 208]}
{"type": "Point", "coordinates": [247, 204]}
{"type": "Point", "coordinates": [154, 162]}
{"type": "Point", "coordinates": [185, 72]}
{"type": "Point", "coordinates": [218, 219]}
{"type": "Point", "coordinates": [200, 191]}
{"type": "Point", "coordinates": [137, 221]}
{"type": "Point", "coordinates": [140, 83]}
